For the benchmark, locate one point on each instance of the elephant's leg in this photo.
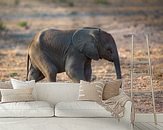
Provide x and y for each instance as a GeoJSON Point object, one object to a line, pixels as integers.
{"type": "Point", "coordinates": [35, 74]}
{"type": "Point", "coordinates": [47, 67]}
{"type": "Point", "coordinates": [88, 70]}
{"type": "Point", "coordinates": [76, 71]}
{"type": "Point", "coordinates": [49, 70]}
{"type": "Point", "coordinates": [51, 76]}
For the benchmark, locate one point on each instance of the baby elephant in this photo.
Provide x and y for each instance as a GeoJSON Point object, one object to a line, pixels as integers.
{"type": "Point", "coordinates": [54, 51]}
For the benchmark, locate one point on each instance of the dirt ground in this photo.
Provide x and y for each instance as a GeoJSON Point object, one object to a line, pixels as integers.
{"type": "Point", "coordinates": [21, 19]}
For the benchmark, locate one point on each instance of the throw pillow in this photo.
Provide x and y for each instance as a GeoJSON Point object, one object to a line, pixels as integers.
{"type": "Point", "coordinates": [16, 95]}
{"type": "Point", "coordinates": [90, 91]}
{"type": "Point", "coordinates": [111, 89]}
{"type": "Point", "coordinates": [5, 85]}
{"type": "Point", "coordinates": [18, 84]}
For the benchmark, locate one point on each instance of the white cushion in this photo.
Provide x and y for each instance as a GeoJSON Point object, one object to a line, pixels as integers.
{"type": "Point", "coordinates": [80, 109]}
{"type": "Point", "coordinates": [18, 84]}
{"type": "Point", "coordinates": [26, 109]}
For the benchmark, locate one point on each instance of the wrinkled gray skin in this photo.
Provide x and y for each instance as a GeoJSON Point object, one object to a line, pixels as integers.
{"type": "Point", "coordinates": [54, 51]}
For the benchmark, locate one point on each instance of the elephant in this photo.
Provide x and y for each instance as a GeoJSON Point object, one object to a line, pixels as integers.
{"type": "Point", "coordinates": [54, 51]}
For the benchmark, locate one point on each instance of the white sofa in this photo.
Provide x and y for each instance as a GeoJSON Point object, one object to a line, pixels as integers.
{"type": "Point", "coordinates": [68, 114]}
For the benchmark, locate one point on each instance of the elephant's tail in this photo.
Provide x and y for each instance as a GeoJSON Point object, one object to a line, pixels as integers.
{"type": "Point", "coordinates": [28, 59]}
{"type": "Point", "coordinates": [27, 67]}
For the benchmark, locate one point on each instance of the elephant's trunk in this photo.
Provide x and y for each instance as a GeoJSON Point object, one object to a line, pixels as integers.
{"type": "Point", "coordinates": [117, 64]}
{"type": "Point", "coordinates": [117, 69]}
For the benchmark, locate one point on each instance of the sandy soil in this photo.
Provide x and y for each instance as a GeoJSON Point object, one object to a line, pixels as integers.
{"type": "Point", "coordinates": [119, 19]}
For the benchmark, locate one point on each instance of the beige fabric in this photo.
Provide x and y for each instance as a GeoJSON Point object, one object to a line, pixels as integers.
{"type": "Point", "coordinates": [116, 105]}
{"type": "Point", "coordinates": [111, 89]}
{"type": "Point", "coordinates": [5, 85]}
{"type": "Point", "coordinates": [16, 95]}
{"type": "Point", "coordinates": [90, 91]}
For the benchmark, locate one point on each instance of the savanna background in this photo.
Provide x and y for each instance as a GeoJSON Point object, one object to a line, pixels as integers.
{"type": "Point", "coordinates": [21, 19]}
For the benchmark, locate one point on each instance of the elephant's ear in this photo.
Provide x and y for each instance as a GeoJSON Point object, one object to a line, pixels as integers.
{"type": "Point", "coordinates": [84, 41]}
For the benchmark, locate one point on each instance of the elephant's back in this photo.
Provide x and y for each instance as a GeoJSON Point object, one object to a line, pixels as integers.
{"type": "Point", "coordinates": [54, 38]}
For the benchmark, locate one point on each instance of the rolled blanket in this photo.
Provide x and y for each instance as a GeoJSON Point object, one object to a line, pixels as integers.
{"type": "Point", "coordinates": [116, 105]}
